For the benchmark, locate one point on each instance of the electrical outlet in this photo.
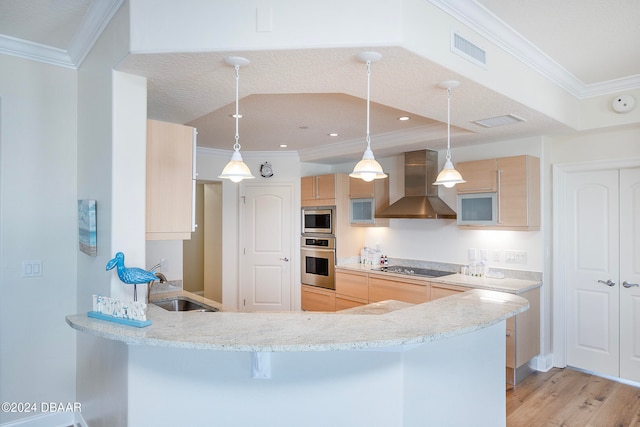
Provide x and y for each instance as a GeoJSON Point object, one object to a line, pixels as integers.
{"type": "Point", "coordinates": [484, 255]}
{"type": "Point", "coordinates": [520, 257]}
{"type": "Point", "coordinates": [496, 256]}
{"type": "Point", "coordinates": [32, 268]}
{"type": "Point", "coordinates": [509, 257]}
{"type": "Point", "coordinates": [515, 257]}
{"type": "Point", "coordinates": [473, 254]}
{"type": "Point", "coordinates": [164, 265]}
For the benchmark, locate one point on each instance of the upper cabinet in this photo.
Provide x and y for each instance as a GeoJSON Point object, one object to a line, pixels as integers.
{"type": "Point", "coordinates": [516, 182]}
{"type": "Point", "coordinates": [481, 176]}
{"type": "Point", "coordinates": [170, 181]}
{"type": "Point", "coordinates": [367, 198]}
{"type": "Point", "coordinates": [318, 190]}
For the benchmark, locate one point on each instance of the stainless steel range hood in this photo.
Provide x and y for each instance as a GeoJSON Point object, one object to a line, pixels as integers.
{"type": "Point", "coordinates": [420, 195]}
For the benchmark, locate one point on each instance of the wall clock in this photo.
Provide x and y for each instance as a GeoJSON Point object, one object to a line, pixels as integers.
{"type": "Point", "coordinates": [266, 170]}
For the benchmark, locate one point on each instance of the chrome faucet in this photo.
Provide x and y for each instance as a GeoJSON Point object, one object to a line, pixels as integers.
{"type": "Point", "coordinates": [160, 276]}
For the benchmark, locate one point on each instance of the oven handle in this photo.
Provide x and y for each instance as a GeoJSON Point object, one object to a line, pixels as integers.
{"type": "Point", "coordinates": [316, 249]}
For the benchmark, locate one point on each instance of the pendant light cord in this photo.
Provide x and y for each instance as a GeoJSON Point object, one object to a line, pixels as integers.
{"type": "Point", "coordinates": [448, 123]}
{"type": "Point", "coordinates": [368, 138]}
{"type": "Point", "coordinates": [236, 146]}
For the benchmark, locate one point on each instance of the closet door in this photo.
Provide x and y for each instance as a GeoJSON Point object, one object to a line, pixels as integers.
{"type": "Point", "coordinates": [630, 274]}
{"type": "Point", "coordinates": [592, 239]}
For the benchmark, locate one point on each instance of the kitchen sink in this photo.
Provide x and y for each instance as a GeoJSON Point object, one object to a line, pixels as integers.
{"type": "Point", "coordinates": [183, 304]}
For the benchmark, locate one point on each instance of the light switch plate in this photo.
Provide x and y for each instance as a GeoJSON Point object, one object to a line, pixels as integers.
{"type": "Point", "coordinates": [32, 268]}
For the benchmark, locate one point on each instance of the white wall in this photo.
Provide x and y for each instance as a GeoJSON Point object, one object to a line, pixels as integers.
{"type": "Point", "coordinates": [105, 99]}
{"type": "Point", "coordinates": [38, 220]}
{"type": "Point", "coordinates": [209, 164]}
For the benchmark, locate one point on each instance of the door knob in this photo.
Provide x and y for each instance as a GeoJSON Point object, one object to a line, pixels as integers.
{"type": "Point", "coordinates": [608, 282]}
{"type": "Point", "coordinates": [629, 285]}
{"type": "Point", "coordinates": [285, 259]}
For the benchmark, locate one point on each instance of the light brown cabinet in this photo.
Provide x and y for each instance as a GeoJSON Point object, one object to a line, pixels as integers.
{"type": "Point", "coordinates": [378, 190]}
{"type": "Point", "coordinates": [353, 284]}
{"type": "Point", "coordinates": [523, 338]}
{"type": "Point", "coordinates": [481, 176]}
{"type": "Point", "coordinates": [169, 174]}
{"type": "Point", "coordinates": [516, 180]}
{"type": "Point", "coordinates": [441, 290]}
{"type": "Point", "coordinates": [317, 299]}
{"type": "Point", "coordinates": [318, 190]}
{"type": "Point", "coordinates": [519, 192]}
{"type": "Point", "coordinates": [380, 289]}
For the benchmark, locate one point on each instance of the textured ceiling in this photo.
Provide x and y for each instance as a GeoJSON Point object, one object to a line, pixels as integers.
{"type": "Point", "coordinates": [297, 97]}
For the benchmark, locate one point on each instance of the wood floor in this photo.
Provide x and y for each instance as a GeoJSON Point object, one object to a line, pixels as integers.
{"type": "Point", "coordinates": [570, 398]}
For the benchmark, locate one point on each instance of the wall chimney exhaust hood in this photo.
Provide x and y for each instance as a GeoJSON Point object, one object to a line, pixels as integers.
{"type": "Point", "coordinates": [420, 195]}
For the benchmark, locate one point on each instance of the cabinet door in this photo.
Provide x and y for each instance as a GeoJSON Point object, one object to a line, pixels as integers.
{"type": "Point", "coordinates": [359, 189]}
{"type": "Point", "coordinates": [308, 188]}
{"type": "Point", "coordinates": [318, 299]}
{"type": "Point", "coordinates": [169, 181]}
{"type": "Point", "coordinates": [384, 289]}
{"type": "Point", "coordinates": [352, 284]}
{"type": "Point", "coordinates": [519, 192]}
{"type": "Point", "coordinates": [326, 186]}
{"type": "Point", "coordinates": [439, 290]}
{"type": "Point", "coordinates": [345, 302]}
{"type": "Point", "coordinates": [481, 176]}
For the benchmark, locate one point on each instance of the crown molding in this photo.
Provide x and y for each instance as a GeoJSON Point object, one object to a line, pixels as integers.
{"type": "Point", "coordinates": [481, 20]}
{"type": "Point", "coordinates": [98, 15]}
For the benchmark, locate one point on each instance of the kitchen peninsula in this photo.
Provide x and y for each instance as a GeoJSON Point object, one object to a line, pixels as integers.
{"type": "Point", "coordinates": [411, 365]}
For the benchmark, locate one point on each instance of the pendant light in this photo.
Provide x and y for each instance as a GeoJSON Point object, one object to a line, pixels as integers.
{"type": "Point", "coordinates": [236, 170]}
{"type": "Point", "coordinates": [368, 169]}
{"type": "Point", "coordinates": [449, 176]}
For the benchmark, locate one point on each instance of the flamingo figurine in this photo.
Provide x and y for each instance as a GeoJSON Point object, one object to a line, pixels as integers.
{"type": "Point", "coordinates": [131, 276]}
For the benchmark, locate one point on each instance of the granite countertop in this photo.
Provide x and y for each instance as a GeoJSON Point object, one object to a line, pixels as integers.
{"type": "Point", "coordinates": [398, 325]}
{"type": "Point", "coordinates": [512, 286]}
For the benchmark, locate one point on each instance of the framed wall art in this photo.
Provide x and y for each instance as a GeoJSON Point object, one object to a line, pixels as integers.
{"type": "Point", "coordinates": [87, 232]}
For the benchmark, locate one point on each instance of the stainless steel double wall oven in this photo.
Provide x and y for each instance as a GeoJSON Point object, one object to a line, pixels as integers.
{"type": "Point", "coordinates": [318, 246]}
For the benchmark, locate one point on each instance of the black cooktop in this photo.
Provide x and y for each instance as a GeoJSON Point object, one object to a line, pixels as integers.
{"type": "Point", "coordinates": [414, 271]}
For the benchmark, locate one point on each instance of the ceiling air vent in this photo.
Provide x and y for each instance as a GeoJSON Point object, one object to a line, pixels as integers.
{"type": "Point", "coordinates": [468, 50]}
{"type": "Point", "coordinates": [500, 121]}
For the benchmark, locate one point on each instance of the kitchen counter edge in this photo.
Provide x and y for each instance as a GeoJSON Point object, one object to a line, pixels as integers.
{"type": "Point", "coordinates": [312, 331]}
{"type": "Point", "coordinates": [512, 286]}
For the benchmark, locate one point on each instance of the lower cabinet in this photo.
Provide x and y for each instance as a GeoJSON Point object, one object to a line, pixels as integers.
{"type": "Point", "coordinates": [400, 290]}
{"type": "Point", "coordinates": [441, 290]}
{"type": "Point", "coordinates": [344, 302]}
{"type": "Point", "coordinates": [523, 338]}
{"type": "Point", "coordinates": [318, 299]}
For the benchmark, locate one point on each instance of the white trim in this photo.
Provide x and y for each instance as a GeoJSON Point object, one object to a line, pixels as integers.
{"type": "Point", "coordinates": [559, 176]}
{"type": "Point", "coordinates": [483, 21]}
{"type": "Point", "coordinates": [93, 23]}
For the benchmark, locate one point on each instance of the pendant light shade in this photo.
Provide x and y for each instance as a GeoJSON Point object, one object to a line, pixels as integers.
{"type": "Point", "coordinates": [448, 176]}
{"type": "Point", "coordinates": [368, 168]}
{"type": "Point", "coordinates": [236, 170]}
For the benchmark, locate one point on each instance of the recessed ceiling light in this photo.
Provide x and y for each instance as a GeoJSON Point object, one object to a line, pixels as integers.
{"type": "Point", "coordinates": [404, 118]}
{"type": "Point", "coordinates": [234, 116]}
{"type": "Point", "coordinates": [283, 145]}
{"type": "Point", "coordinates": [333, 134]}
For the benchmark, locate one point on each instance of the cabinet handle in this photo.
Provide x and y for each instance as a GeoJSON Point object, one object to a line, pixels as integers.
{"type": "Point", "coordinates": [285, 259]}
{"type": "Point", "coordinates": [629, 285]}
{"type": "Point", "coordinates": [608, 282]}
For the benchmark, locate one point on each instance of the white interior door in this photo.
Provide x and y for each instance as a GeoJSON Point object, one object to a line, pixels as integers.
{"type": "Point", "coordinates": [268, 228]}
{"type": "Point", "coordinates": [630, 274]}
{"type": "Point", "coordinates": [592, 239]}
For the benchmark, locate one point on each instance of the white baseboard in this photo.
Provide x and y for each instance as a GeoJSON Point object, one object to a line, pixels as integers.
{"type": "Point", "coordinates": [57, 419]}
{"type": "Point", "coordinates": [542, 363]}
